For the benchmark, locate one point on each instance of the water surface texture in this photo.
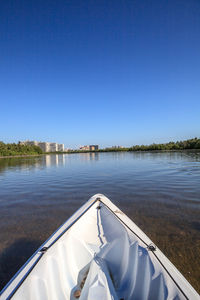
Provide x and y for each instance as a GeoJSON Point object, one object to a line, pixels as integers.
{"type": "Point", "coordinates": [160, 191]}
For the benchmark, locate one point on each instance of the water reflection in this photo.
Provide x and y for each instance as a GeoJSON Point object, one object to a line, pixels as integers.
{"type": "Point", "coordinates": [160, 191]}
{"type": "Point", "coordinates": [168, 155]}
{"type": "Point", "coordinates": [92, 156]}
{"type": "Point", "coordinates": [19, 163]}
{"type": "Point", "coordinates": [30, 163]}
{"type": "Point", "coordinates": [54, 160]}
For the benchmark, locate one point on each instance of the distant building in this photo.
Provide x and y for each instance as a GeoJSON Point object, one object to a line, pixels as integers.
{"type": "Point", "coordinates": [53, 147]}
{"type": "Point", "coordinates": [94, 147]}
{"type": "Point", "coordinates": [89, 147]}
{"type": "Point", "coordinates": [85, 148]}
{"type": "Point", "coordinates": [32, 143]}
{"type": "Point", "coordinates": [60, 147]}
{"type": "Point", "coordinates": [45, 146]}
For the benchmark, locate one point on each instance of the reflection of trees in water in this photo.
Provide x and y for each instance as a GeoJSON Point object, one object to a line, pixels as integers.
{"type": "Point", "coordinates": [19, 163]}
{"type": "Point", "coordinates": [184, 155]}
{"type": "Point", "coordinates": [54, 160]}
{"type": "Point", "coordinates": [23, 163]}
{"type": "Point", "coordinates": [30, 163]}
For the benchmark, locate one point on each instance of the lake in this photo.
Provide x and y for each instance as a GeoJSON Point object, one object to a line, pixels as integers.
{"type": "Point", "coordinates": [159, 191]}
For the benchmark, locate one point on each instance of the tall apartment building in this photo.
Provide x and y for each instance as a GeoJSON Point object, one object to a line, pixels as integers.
{"type": "Point", "coordinates": [60, 147]}
{"type": "Point", "coordinates": [45, 146]}
{"type": "Point", "coordinates": [53, 147]}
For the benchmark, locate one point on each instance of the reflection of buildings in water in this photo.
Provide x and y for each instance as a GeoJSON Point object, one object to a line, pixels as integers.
{"type": "Point", "coordinates": [94, 156]}
{"type": "Point", "coordinates": [55, 159]}
{"type": "Point", "coordinates": [48, 160]}
{"type": "Point", "coordinates": [38, 165]}
{"type": "Point", "coordinates": [61, 159]}
{"type": "Point", "coordinates": [90, 156]}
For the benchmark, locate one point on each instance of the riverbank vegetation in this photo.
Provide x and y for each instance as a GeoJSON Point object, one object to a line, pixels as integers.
{"type": "Point", "coordinates": [179, 145]}
{"type": "Point", "coordinates": [190, 144]}
{"type": "Point", "coordinates": [20, 150]}
{"type": "Point", "coordinates": [17, 149]}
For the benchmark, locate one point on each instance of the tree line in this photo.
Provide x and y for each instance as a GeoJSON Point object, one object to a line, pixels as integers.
{"type": "Point", "coordinates": [17, 149]}
{"type": "Point", "coordinates": [179, 145]}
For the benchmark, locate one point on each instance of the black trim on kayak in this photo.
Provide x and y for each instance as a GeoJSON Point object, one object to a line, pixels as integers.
{"type": "Point", "coordinates": [40, 250]}
{"type": "Point", "coordinates": [24, 277]}
{"type": "Point", "coordinates": [170, 276]}
{"type": "Point", "coordinates": [18, 272]}
{"type": "Point", "coordinates": [153, 252]}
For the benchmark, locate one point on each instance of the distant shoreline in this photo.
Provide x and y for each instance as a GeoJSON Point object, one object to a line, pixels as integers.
{"type": "Point", "coordinates": [14, 149]}
{"type": "Point", "coordinates": [23, 155]}
{"type": "Point", "coordinates": [98, 151]}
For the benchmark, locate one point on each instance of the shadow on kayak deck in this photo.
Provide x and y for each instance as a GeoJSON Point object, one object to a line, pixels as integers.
{"type": "Point", "coordinates": [13, 258]}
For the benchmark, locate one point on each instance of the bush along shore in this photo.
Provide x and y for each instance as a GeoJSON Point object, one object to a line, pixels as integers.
{"type": "Point", "coordinates": [180, 145]}
{"type": "Point", "coordinates": [18, 150]}
{"type": "Point", "coordinates": [191, 144]}
{"type": "Point", "coordinates": [28, 150]}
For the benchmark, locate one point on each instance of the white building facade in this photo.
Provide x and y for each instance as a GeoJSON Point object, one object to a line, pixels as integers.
{"type": "Point", "coordinates": [45, 146]}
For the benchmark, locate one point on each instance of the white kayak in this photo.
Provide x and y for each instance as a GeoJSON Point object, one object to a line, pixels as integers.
{"type": "Point", "coordinates": [98, 254]}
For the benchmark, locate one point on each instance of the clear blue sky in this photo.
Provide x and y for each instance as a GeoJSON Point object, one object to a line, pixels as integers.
{"type": "Point", "coordinates": [108, 72]}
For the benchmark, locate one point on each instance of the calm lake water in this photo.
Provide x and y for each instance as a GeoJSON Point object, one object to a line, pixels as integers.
{"type": "Point", "coordinates": [160, 191]}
